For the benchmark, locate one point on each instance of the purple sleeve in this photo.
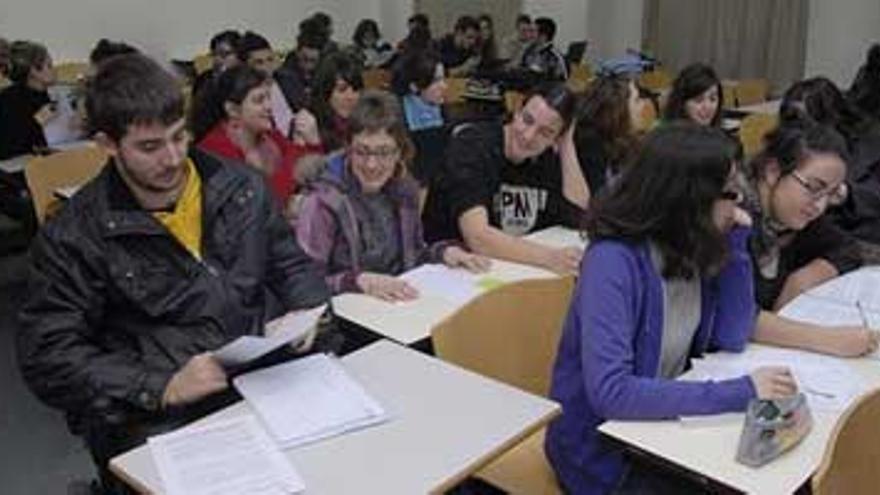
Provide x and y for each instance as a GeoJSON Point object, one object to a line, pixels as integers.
{"type": "Point", "coordinates": [316, 230]}
{"type": "Point", "coordinates": [607, 315]}
{"type": "Point", "coordinates": [737, 310]}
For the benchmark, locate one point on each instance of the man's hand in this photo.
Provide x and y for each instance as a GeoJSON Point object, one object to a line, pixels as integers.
{"type": "Point", "coordinates": [200, 377]}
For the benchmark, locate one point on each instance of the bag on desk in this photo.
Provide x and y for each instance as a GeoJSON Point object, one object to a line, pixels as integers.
{"type": "Point", "coordinates": [772, 427]}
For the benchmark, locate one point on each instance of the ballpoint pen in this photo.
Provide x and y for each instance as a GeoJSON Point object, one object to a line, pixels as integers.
{"type": "Point", "coordinates": [862, 314]}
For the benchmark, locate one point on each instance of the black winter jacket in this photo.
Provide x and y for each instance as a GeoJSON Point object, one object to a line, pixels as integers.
{"type": "Point", "coordinates": [116, 305]}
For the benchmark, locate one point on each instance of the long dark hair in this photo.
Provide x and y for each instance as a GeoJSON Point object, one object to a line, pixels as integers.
{"type": "Point", "coordinates": [363, 27]}
{"type": "Point", "coordinates": [667, 197]}
{"type": "Point", "coordinates": [792, 143]}
{"type": "Point", "coordinates": [604, 110]}
{"type": "Point", "coordinates": [333, 67]}
{"type": "Point", "coordinates": [233, 85]}
{"type": "Point", "coordinates": [692, 81]}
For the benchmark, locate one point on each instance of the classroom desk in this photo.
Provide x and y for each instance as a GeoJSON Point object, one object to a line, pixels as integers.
{"type": "Point", "coordinates": [14, 165]}
{"type": "Point", "coordinates": [709, 449]}
{"type": "Point", "coordinates": [411, 321]}
{"type": "Point", "coordinates": [770, 107]}
{"type": "Point", "coordinates": [446, 423]}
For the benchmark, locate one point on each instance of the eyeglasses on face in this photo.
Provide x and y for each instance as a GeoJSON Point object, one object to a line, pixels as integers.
{"type": "Point", "coordinates": [817, 190]}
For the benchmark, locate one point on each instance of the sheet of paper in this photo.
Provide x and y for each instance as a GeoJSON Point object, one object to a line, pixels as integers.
{"type": "Point", "coordinates": [308, 399]}
{"type": "Point", "coordinates": [829, 384]}
{"type": "Point", "coordinates": [223, 458]}
{"type": "Point", "coordinates": [860, 285]}
{"type": "Point", "coordinates": [288, 329]}
{"type": "Point", "coordinates": [456, 285]}
{"type": "Point", "coordinates": [830, 313]}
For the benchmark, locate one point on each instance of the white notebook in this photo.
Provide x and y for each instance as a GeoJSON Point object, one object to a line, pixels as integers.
{"type": "Point", "coordinates": [223, 458]}
{"type": "Point", "coordinates": [308, 399]}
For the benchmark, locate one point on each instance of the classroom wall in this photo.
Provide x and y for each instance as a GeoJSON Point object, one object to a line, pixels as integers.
{"type": "Point", "coordinates": [614, 26]}
{"type": "Point", "coordinates": [839, 34]}
{"type": "Point", "coordinates": [170, 28]}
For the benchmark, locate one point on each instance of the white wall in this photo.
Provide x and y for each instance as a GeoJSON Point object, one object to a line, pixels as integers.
{"type": "Point", "coordinates": [570, 17]}
{"type": "Point", "coordinates": [171, 28]}
{"type": "Point", "coordinates": [839, 34]}
{"type": "Point", "coordinates": [614, 26]}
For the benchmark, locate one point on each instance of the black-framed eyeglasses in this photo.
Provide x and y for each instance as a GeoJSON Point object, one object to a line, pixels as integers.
{"type": "Point", "coordinates": [731, 195]}
{"type": "Point", "coordinates": [818, 191]}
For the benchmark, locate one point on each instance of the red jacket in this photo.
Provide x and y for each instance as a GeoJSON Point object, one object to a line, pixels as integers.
{"type": "Point", "coordinates": [217, 141]}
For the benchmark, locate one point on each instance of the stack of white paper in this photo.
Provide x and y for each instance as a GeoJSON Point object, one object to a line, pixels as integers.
{"type": "Point", "coordinates": [288, 329]}
{"type": "Point", "coordinates": [223, 458]}
{"type": "Point", "coordinates": [829, 384]}
{"type": "Point", "coordinates": [455, 285]}
{"type": "Point", "coordinates": [308, 399]}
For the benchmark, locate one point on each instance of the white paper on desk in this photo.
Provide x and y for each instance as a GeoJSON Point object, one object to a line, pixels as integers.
{"type": "Point", "coordinates": [829, 384]}
{"type": "Point", "coordinates": [456, 285]}
{"type": "Point", "coordinates": [308, 399]}
{"type": "Point", "coordinates": [223, 458]}
{"type": "Point", "coordinates": [860, 285]}
{"type": "Point", "coordinates": [288, 329]}
{"type": "Point", "coordinates": [828, 312]}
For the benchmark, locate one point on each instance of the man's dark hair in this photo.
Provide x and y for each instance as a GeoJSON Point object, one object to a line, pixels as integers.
{"type": "Point", "coordinates": [420, 20]}
{"type": "Point", "coordinates": [546, 27]}
{"type": "Point", "coordinates": [558, 97]}
{"type": "Point", "coordinates": [251, 42]}
{"type": "Point", "coordinates": [419, 69]}
{"type": "Point", "coordinates": [230, 36]}
{"type": "Point", "coordinates": [105, 49]}
{"type": "Point", "coordinates": [465, 23]}
{"type": "Point", "coordinates": [131, 90]}
{"type": "Point", "coordinates": [24, 56]}
{"type": "Point", "coordinates": [523, 19]}
{"type": "Point", "coordinates": [666, 196]}
{"type": "Point", "coordinates": [820, 100]}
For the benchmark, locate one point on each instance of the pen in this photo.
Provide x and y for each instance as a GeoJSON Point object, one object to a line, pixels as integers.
{"type": "Point", "coordinates": [862, 314]}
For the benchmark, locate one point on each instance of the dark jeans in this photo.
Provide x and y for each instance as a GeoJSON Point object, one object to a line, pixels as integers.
{"type": "Point", "coordinates": [646, 479]}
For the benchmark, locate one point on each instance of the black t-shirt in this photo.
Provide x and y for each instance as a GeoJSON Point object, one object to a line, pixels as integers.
{"type": "Point", "coordinates": [519, 197]}
{"type": "Point", "coordinates": [450, 55]}
{"type": "Point", "coordinates": [820, 239]}
{"type": "Point", "coordinates": [20, 133]}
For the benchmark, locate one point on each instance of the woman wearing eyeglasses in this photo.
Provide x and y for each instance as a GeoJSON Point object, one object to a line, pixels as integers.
{"type": "Point", "coordinates": [360, 220]}
{"type": "Point", "coordinates": [795, 246]}
{"type": "Point", "coordinates": [666, 276]}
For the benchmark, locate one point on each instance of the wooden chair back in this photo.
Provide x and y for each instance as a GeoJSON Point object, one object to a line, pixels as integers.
{"type": "Point", "coordinates": [851, 463]}
{"type": "Point", "coordinates": [46, 174]}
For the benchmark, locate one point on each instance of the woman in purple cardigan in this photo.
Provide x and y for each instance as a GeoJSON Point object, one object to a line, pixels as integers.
{"type": "Point", "coordinates": [667, 276]}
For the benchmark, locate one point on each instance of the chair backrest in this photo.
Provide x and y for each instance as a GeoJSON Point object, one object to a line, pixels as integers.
{"type": "Point", "coordinates": [656, 80]}
{"type": "Point", "coordinates": [377, 79]}
{"type": "Point", "coordinates": [580, 76]}
{"type": "Point", "coordinates": [46, 174]}
{"type": "Point", "coordinates": [513, 101]}
{"type": "Point", "coordinates": [70, 72]}
{"type": "Point", "coordinates": [510, 333]}
{"type": "Point", "coordinates": [751, 91]}
{"type": "Point", "coordinates": [753, 129]}
{"type": "Point", "coordinates": [203, 62]}
{"type": "Point", "coordinates": [851, 463]}
{"type": "Point", "coordinates": [455, 89]}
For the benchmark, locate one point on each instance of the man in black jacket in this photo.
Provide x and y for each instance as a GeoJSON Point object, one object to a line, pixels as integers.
{"type": "Point", "coordinates": [156, 262]}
